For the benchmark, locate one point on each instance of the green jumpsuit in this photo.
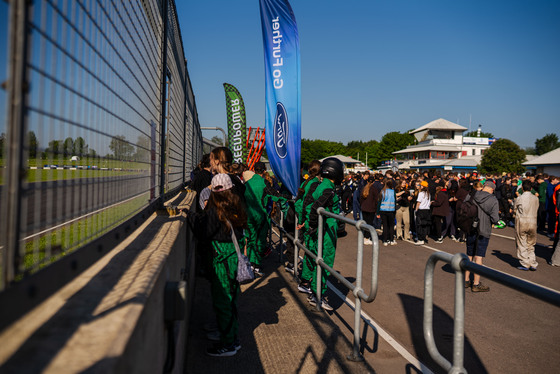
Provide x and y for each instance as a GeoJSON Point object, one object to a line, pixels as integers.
{"type": "Point", "coordinates": [326, 198]}
{"type": "Point", "coordinates": [224, 286]}
{"type": "Point", "coordinates": [303, 206]}
{"type": "Point", "coordinates": [257, 219]}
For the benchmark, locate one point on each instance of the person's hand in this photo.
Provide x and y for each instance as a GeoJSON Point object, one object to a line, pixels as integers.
{"type": "Point", "coordinates": [299, 227]}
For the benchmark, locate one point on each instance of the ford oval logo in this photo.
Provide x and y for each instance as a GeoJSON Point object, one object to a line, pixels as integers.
{"type": "Point", "coordinates": [281, 131]}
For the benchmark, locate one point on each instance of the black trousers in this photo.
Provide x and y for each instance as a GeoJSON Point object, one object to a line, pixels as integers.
{"type": "Point", "coordinates": [388, 222]}
{"type": "Point", "coordinates": [368, 217]}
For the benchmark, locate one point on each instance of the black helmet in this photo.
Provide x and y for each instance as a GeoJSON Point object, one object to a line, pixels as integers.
{"type": "Point", "coordinates": [332, 168]}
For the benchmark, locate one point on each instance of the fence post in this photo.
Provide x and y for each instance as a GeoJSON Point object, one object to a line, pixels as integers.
{"type": "Point", "coordinates": [355, 355]}
{"type": "Point", "coordinates": [163, 98]}
{"type": "Point", "coordinates": [319, 257]}
{"type": "Point", "coordinates": [185, 126]}
{"type": "Point", "coordinates": [15, 145]}
{"type": "Point", "coordinates": [296, 248]}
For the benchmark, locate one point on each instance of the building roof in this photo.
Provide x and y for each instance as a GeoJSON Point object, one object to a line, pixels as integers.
{"type": "Point", "coordinates": [550, 158]}
{"type": "Point", "coordinates": [440, 124]}
{"type": "Point", "coordinates": [466, 162]}
{"type": "Point", "coordinates": [344, 159]}
{"type": "Point", "coordinates": [423, 148]}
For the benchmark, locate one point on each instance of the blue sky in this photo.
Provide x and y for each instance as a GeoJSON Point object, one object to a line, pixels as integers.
{"type": "Point", "coordinates": [371, 67]}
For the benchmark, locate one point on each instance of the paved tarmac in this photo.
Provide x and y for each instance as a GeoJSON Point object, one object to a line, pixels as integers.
{"type": "Point", "coordinates": [280, 332]}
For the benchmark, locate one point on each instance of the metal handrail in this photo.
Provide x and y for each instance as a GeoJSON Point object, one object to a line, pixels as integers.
{"type": "Point", "coordinates": [357, 289]}
{"type": "Point", "coordinates": [460, 262]}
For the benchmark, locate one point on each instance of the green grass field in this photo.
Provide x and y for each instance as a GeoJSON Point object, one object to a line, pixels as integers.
{"type": "Point", "coordinates": [45, 249]}
{"type": "Point", "coordinates": [114, 168]}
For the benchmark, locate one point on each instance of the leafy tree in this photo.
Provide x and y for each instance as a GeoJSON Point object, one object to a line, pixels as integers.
{"type": "Point", "coordinates": [483, 134]}
{"type": "Point", "coordinates": [217, 140]}
{"type": "Point", "coordinates": [33, 144]}
{"type": "Point", "coordinates": [547, 143]}
{"type": "Point", "coordinates": [392, 142]}
{"type": "Point", "coordinates": [80, 147]}
{"type": "Point", "coordinates": [318, 149]}
{"type": "Point", "coordinates": [68, 146]}
{"type": "Point", "coordinates": [503, 156]}
{"type": "Point", "coordinates": [2, 140]}
{"type": "Point", "coordinates": [55, 146]}
{"type": "Point", "coordinates": [530, 151]}
{"type": "Point", "coordinates": [369, 149]}
{"type": "Point", "coordinates": [122, 149]}
{"type": "Point", "coordinates": [143, 148]}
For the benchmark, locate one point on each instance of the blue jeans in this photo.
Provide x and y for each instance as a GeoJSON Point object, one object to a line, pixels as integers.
{"type": "Point", "coordinates": [356, 207]}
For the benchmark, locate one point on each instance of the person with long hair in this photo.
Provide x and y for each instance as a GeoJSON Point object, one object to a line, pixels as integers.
{"type": "Point", "coordinates": [221, 162]}
{"type": "Point", "coordinates": [303, 203]}
{"type": "Point", "coordinates": [423, 214]}
{"type": "Point", "coordinates": [224, 212]}
{"type": "Point", "coordinates": [369, 198]}
{"type": "Point", "coordinates": [440, 210]}
{"type": "Point", "coordinates": [387, 206]}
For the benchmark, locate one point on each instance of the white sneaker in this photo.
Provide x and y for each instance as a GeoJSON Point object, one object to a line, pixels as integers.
{"type": "Point", "coordinates": [385, 244]}
{"type": "Point", "coordinates": [367, 241]}
{"type": "Point", "coordinates": [393, 243]}
{"type": "Point", "coordinates": [419, 242]}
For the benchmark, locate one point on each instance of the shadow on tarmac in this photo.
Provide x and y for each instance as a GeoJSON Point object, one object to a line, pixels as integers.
{"type": "Point", "coordinates": [443, 336]}
{"type": "Point", "coordinates": [260, 303]}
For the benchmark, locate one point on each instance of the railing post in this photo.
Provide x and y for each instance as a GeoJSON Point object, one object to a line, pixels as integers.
{"type": "Point", "coordinates": [162, 135]}
{"type": "Point", "coordinates": [459, 318]}
{"type": "Point", "coordinates": [296, 248]}
{"type": "Point", "coordinates": [319, 257]}
{"type": "Point", "coordinates": [356, 356]}
{"type": "Point", "coordinates": [281, 249]}
{"type": "Point", "coordinates": [459, 323]}
{"type": "Point", "coordinates": [15, 145]}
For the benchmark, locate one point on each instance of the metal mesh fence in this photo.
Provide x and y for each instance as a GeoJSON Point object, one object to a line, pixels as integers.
{"type": "Point", "coordinates": [88, 139]}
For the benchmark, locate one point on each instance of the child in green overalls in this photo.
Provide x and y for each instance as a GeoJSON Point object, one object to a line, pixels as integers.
{"type": "Point", "coordinates": [332, 173]}
{"type": "Point", "coordinates": [212, 225]}
{"type": "Point", "coordinates": [302, 206]}
{"type": "Point", "coordinates": [257, 219]}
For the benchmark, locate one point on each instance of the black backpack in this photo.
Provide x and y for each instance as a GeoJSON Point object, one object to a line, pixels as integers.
{"type": "Point", "coordinates": [467, 215]}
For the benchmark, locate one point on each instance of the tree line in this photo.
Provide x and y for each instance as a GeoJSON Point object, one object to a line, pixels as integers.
{"type": "Point", "coordinates": [121, 148]}
{"type": "Point", "coordinates": [503, 155]}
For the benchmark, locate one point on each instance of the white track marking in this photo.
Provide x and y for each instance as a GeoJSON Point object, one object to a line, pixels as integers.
{"type": "Point", "coordinates": [382, 333]}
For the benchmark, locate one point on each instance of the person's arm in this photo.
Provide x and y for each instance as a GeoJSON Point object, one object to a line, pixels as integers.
{"type": "Point", "coordinates": [495, 211]}
{"type": "Point", "coordinates": [324, 200]}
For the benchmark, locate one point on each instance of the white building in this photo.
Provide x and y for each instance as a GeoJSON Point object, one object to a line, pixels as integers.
{"type": "Point", "coordinates": [441, 145]}
{"type": "Point", "coordinates": [548, 163]}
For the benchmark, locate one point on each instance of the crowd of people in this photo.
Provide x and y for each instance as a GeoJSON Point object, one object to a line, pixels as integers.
{"type": "Point", "coordinates": [431, 206]}
{"type": "Point", "coordinates": [234, 206]}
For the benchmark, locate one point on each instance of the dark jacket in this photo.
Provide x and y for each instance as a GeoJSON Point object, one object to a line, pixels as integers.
{"type": "Point", "coordinates": [488, 212]}
{"type": "Point", "coordinates": [460, 195]}
{"type": "Point", "coordinates": [441, 204]}
{"type": "Point", "coordinates": [369, 204]}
